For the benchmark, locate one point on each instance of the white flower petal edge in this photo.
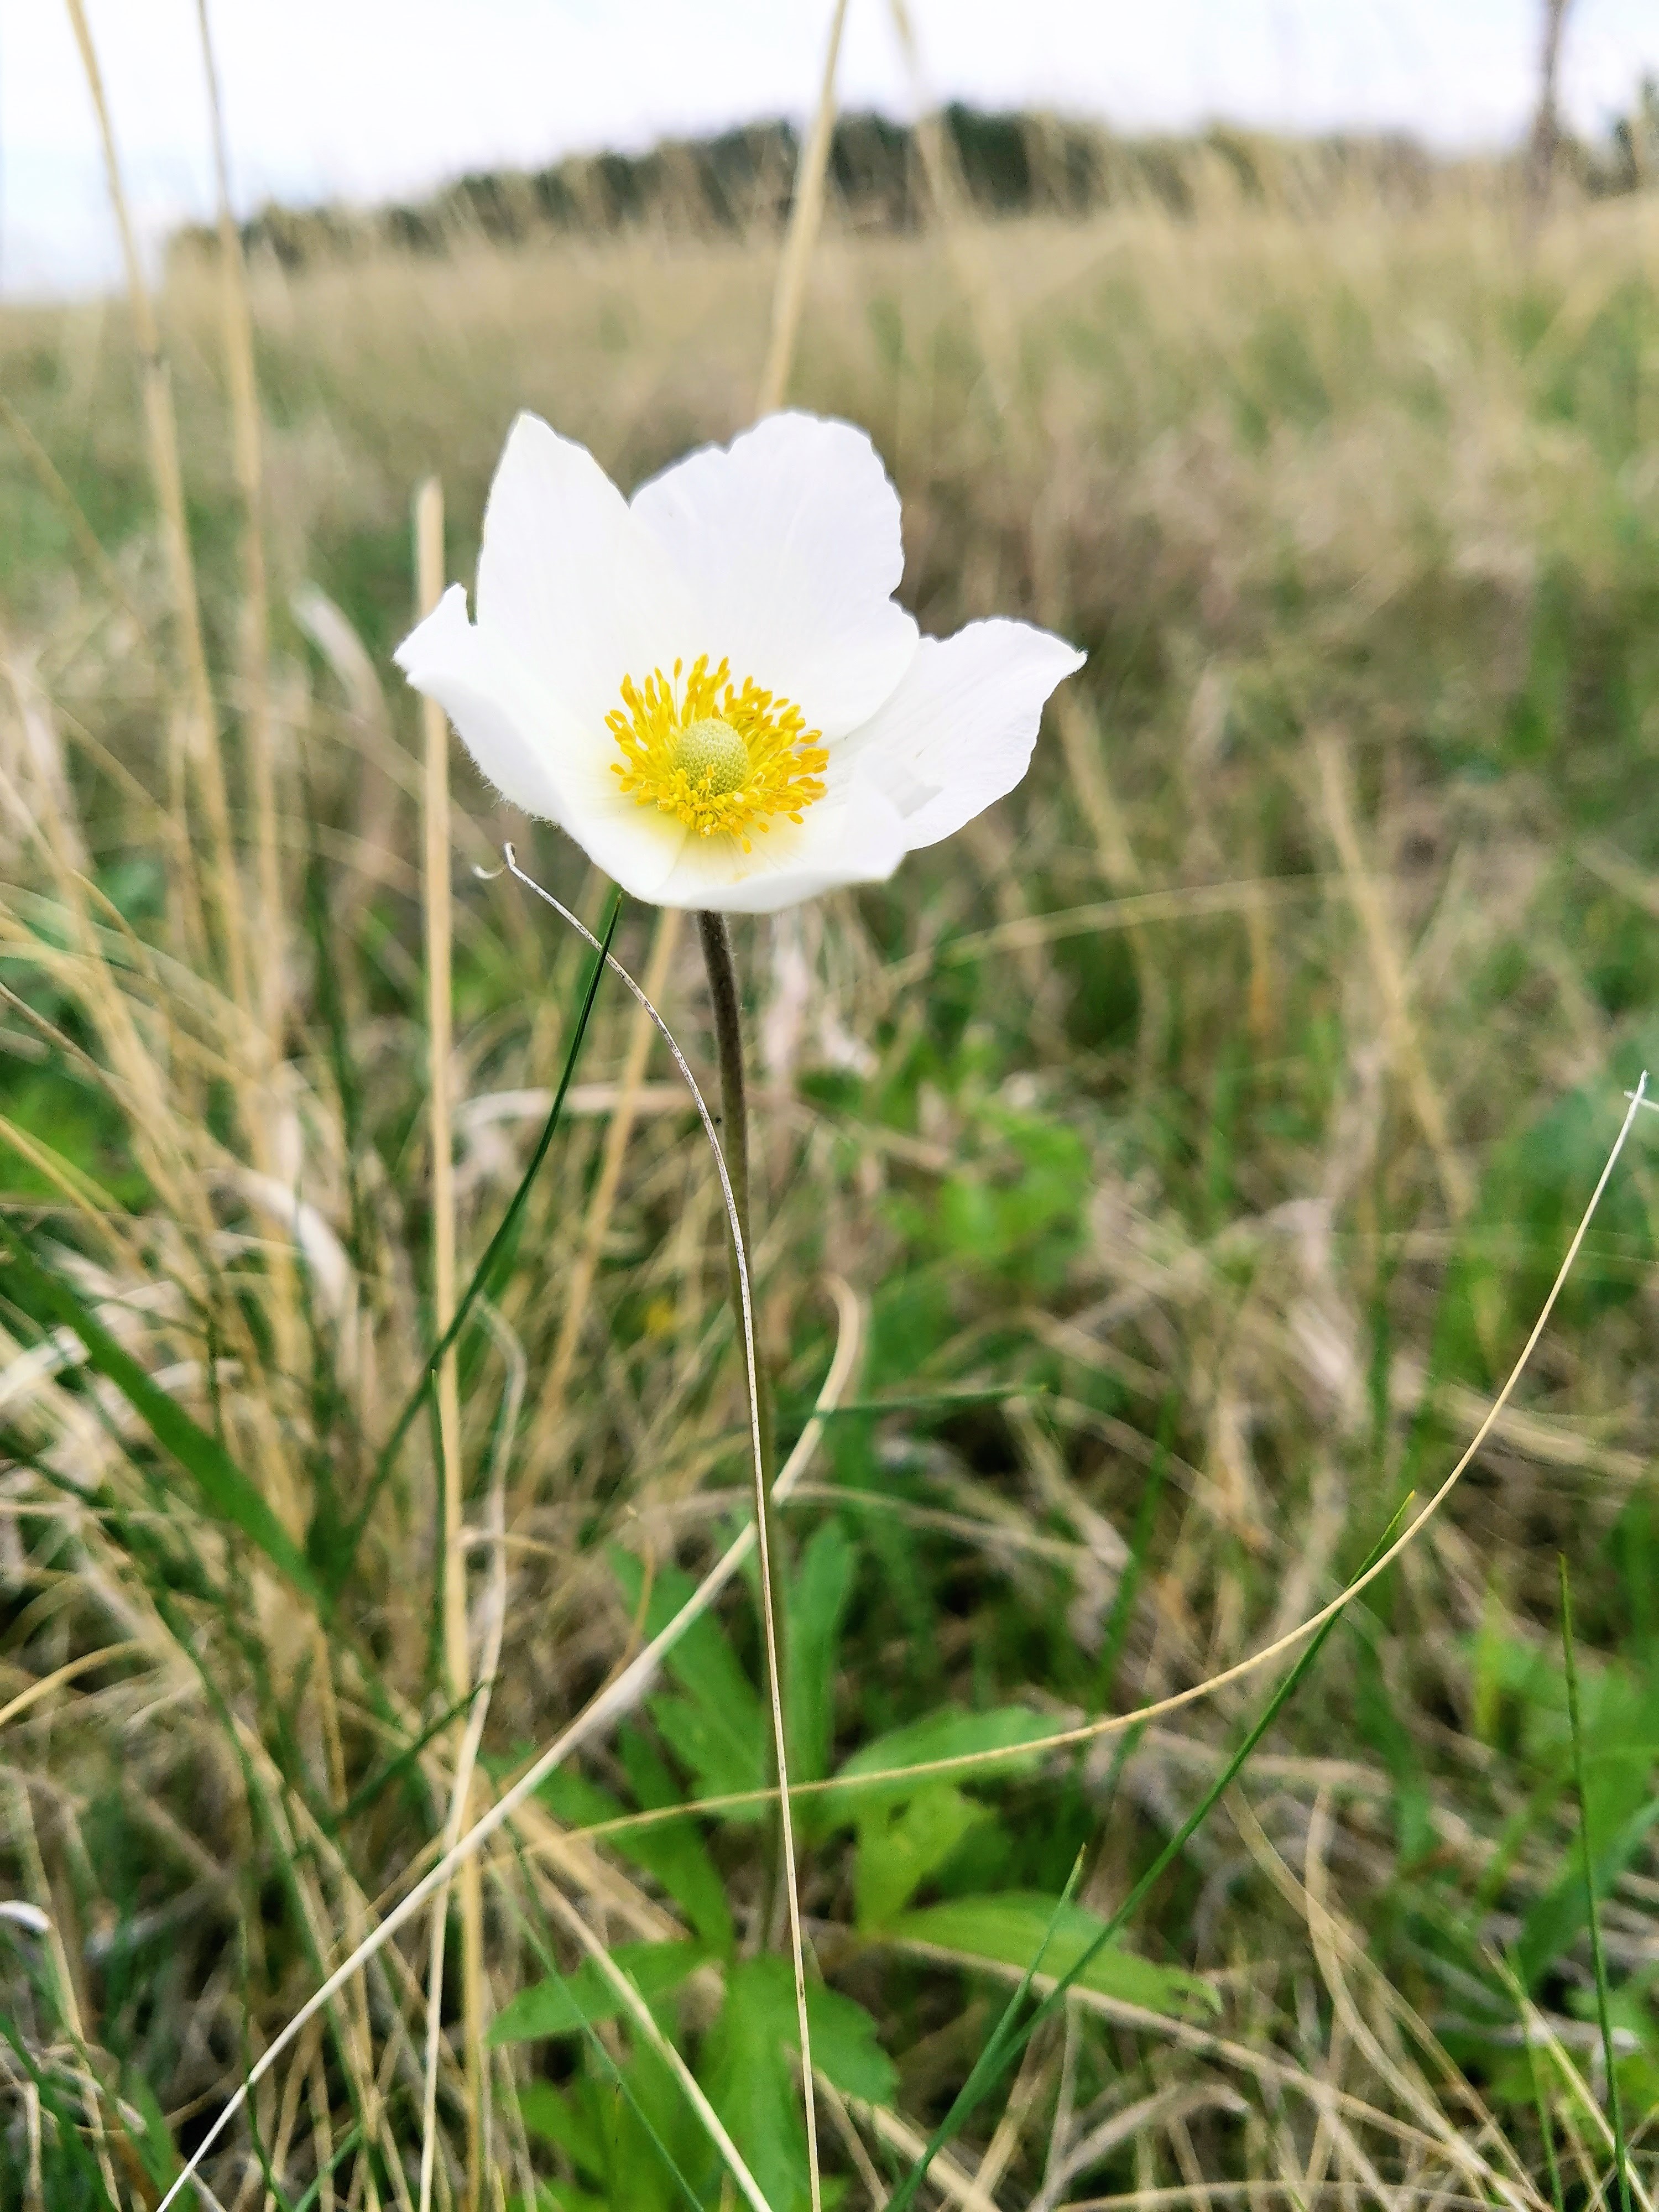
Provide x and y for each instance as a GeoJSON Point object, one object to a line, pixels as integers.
{"type": "Point", "coordinates": [788, 539]}
{"type": "Point", "coordinates": [570, 580]}
{"type": "Point", "coordinates": [958, 733]}
{"type": "Point", "coordinates": [536, 753]}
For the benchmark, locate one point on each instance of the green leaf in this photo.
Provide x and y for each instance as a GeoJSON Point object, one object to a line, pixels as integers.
{"type": "Point", "coordinates": [672, 1851]}
{"type": "Point", "coordinates": [657, 2157]}
{"type": "Point", "coordinates": [752, 2085]}
{"type": "Point", "coordinates": [565, 2122]}
{"type": "Point", "coordinates": [717, 1729]}
{"type": "Point", "coordinates": [899, 1846]}
{"type": "Point", "coordinates": [721, 1762]}
{"type": "Point", "coordinates": [818, 1606]}
{"type": "Point", "coordinates": [567, 2003]}
{"type": "Point", "coordinates": [846, 2042]}
{"type": "Point", "coordinates": [1560, 1916]}
{"type": "Point", "coordinates": [1381, 1724]}
{"type": "Point", "coordinates": [1010, 1929]}
{"type": "Point", "coordinates": [224, 1491]}
{"type": "Point", "coordinates": [949, 1734]}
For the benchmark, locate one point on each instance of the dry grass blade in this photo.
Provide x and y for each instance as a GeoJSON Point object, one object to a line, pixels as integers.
{"type": "Point", "coordinates": [255, 700]}
{"type": "Point", "coordinates": [435, 905]}
{"type": "Point", "coordinates": [805, 216]}
{"type": "Point", "coordinates": [163, 429]}
{"type": "Point", "coordinates": [1390, 970]}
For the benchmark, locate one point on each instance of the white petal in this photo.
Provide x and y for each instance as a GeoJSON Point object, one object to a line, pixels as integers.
{"type": "Point", "coordinates": [852, 835]}
{"type": "Point", "coordinates": [527, 742]}
{"type": "Point", "coordinates": [570, 580]}
{"type": "Point", "coordinates": [789, 540]}
{"type": "Point", "coordinates": [24, 1915]}
{"type": "Point", "coordinates": [958, 733]}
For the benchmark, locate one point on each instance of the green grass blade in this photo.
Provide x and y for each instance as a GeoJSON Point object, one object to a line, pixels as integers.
{"type": "Point", "coordinates": [497, 1253]}
{"type": "Point", "coordinates": [1008, 2046]}
{"type": "Point", "coordinates": [225, 1492]}
{"type": "Point", "coordinates": [1598, 1960]}
{"type": "Point", "coordinates": [998, 2054]}
{"type": "Point", "coordinates": [1546, 2129]}
{"type": "Point", "coordinates": [341, 2154]}
{"type": "Point", "coordinates": [70, 2139]}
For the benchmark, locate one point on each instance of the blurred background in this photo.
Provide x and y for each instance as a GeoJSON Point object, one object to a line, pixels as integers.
{"type": "Point", "coordinates": [1199, 1133]}
{"type": "Point", "coordinates": [374, 101]}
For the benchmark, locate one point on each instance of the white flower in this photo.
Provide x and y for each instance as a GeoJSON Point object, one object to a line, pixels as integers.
{"type": "Point", "coordinates": [709, 686]}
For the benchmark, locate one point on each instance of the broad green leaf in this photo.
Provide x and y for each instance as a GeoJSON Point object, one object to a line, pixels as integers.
{"type": "Point", "coordinates": [949, 1733]}
{"type": "Point", "coordinates": [1560, 1917]}
{"type": "Point", "coordinates": [657, 2152]}
{"type": "Point", "coordinates": [558, 2197]}
{"type": "Point", "coordinates": [672, 1851]}
{"type": "Point", "coordinates": [818, 1605]}
{"type": "Point", "coordinates": [223, 1490]}
{"type": "Point", "coordinates": [675, 1851]}
{"type": "Point", "coordinates": [845, 2044]}
{"type": "Point", "coordinates": [900, 1846]}
{"type": "Point", "coordinates": [565, 2121]}
{"type": "Point", "coordinates": [566, 2004]}
{"type": "Point", "coordinates": [721, 1762]}
{"type": "Point", "coordinates": [1010, 1930]}
{"type": "Point", "coordinates": [752, 2084]}
{"type": "Point", "coordinates": [718, 1729]}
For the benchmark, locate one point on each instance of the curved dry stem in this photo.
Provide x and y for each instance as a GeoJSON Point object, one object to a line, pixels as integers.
{"type": "Point", "coordinates": [1116, 1723]}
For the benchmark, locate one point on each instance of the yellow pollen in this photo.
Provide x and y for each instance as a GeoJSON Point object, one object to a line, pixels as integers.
{"type": "Point", "coordinates": [726, 759]}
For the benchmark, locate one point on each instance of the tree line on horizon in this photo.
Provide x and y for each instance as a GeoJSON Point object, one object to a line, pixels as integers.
{"type": "Point", "coordinates": [883, 175]}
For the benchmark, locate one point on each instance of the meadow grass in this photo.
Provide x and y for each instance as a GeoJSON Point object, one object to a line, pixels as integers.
{"type": "Point", "coordinates": [1199, 1135]}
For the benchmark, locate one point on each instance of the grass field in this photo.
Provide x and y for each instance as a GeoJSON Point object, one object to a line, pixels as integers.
{"type": "Point", "coordinates": [1198, 1136]}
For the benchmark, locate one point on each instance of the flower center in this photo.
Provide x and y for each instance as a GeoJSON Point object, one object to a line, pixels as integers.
{"type": "Point", "coordinates": [726, 759]}
{"type": "Point", "coordinates": [711, 751]}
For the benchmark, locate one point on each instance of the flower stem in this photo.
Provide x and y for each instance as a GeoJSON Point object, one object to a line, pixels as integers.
{"type": "Point", "coordinates": [716, 941]}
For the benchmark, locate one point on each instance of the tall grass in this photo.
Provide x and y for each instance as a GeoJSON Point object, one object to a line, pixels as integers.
{"type": "Point", "coordinates": [1208, 1123]}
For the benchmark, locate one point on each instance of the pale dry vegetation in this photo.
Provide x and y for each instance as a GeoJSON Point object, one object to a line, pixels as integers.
{"type": "Point", "coordinates": [1198, 1135]}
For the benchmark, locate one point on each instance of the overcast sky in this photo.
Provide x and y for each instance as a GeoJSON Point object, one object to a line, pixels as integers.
{"type": "Point", "coordinates": [361, 99]}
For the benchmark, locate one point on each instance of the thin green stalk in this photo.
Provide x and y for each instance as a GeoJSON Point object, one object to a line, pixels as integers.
{"type": "Point", "coordinates": [1007, 2041]}
{"type": "Point", "coordinates": [1598, 1960]}
{"type": "Point", "coordinates": [1544, 2128]}
{"type": "Point", "coordinates": [734, 1146]}
{"type": "Point", "coordinates": [716, 941]}
{"type": "Point", "coordinates": [483, 1278]}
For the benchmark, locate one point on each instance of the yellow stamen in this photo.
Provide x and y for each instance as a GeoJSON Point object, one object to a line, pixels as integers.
{"type": "Point", "coordinates": [722, 758]}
